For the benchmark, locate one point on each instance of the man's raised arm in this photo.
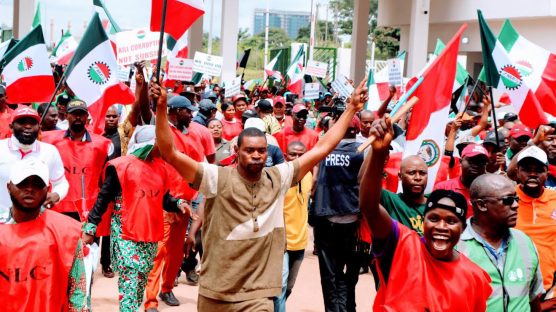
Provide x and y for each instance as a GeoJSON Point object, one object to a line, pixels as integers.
{"type": "Point", "coordinates": [186, 166]}
{"type": "Point", "coordinates": [333, 136]}
{"type": "Point", "coordinates": [370, 186]}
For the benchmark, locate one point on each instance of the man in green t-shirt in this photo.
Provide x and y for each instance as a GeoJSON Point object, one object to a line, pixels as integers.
{"type": "Point", "coordinates": [408, 206]}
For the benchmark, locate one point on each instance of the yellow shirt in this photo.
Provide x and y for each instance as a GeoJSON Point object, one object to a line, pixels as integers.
{"type": "Point", "coordinates": [296, 213]}
{"type": "Point", "coordinates": [536, 217]}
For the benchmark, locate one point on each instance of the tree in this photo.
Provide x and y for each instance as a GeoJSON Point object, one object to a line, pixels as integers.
{"type": "Point", "coordinates": [277, 38]}
{"type": "Point", "coordinates": [321, 36]}
{"type": "Point", "coordinates": [387, 39]}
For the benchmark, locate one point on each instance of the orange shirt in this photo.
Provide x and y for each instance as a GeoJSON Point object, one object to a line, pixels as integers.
{"type": "Point", "coordinates": [5, 121]}
{"type": "Point", "coordinates": [536, 217]}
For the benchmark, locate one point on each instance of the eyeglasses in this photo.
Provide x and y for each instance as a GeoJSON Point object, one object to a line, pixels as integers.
{"type": "Point", "coordinates": [506, 200]}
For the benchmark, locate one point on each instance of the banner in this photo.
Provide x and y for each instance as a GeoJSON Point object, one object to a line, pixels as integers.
{"type": "Point", "coordinates": [342, 86]}
{"type": "Point", "coordinates": [232, 87]}
{"type": "Point", "coordinates": [137, 45]}
{"type": "Point", "coordinates": [317, 69]}
{"type": "Point", "coordinates": [207, 64]}
{"type": "Point", "coordinates": [311, 91]}
{"type": "Point", "coordinates": [180, 69]}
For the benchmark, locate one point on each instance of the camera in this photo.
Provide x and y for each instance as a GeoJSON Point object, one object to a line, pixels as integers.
{"type": "Point", "coordinates": [337, 108]}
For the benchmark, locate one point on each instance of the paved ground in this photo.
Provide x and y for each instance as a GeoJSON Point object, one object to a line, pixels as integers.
{"type": "Point", "coordinates": [306, 296]}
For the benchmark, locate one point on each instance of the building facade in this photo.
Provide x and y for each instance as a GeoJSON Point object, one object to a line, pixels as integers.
{"type": "Point", "coordinates": [289, 21]}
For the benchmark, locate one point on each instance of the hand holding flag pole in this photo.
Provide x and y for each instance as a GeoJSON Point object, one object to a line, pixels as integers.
{"type": "Point", "coordinates": [400, 112]}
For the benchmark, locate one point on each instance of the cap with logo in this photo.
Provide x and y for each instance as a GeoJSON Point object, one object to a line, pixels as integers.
{"type": "Point", "coordinates": [24, 111]}
{"type": "Point", "coordinates": [77, 105]}
{"type": "Point", "coordinates": [473, 150]}
{"type": "Point", "coordinates": [180, 101]}
{"type": "Point", "coordinates": [533, 152]}
{"type": "Point", "coordinates": [460, 203]}
{"type": "Point", "coordinates": [279, 99]}
{"type": "Point", "coordinates": [28, 167]}
{"type": "Point", "coordinates": [519, 130]}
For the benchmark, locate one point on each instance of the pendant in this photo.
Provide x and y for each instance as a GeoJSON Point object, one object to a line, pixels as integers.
{"type": "Point", "coordinates": [255, 225]}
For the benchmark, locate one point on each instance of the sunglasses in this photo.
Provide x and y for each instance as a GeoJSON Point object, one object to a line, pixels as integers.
{"type": "Point", "coordinates": [506, 200]}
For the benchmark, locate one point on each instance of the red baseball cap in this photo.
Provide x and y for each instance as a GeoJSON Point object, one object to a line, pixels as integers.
{"type": "Point", "coordinates": [519, 130]}
{"type": "Point", "coordinates": [279, 99]}
{"type": "Point", "coordinates": [473, 150]}
{"type": "Point", "coordinates": [238, 97]}
{"type": "Point", "coordinates": [298, 108]}
{"type": "Point", "coordinates": [25, 112]}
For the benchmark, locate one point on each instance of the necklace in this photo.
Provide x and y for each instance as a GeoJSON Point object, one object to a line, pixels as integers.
{"type": "Point", "coordinates": [254, 208]}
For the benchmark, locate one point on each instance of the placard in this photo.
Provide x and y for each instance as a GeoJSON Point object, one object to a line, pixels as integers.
{"type": "Point", "coordinates": [342, 86]}
{"type": "Point", "coordinates": [180, 69]}
{"type": "Point", "coordinates": [137, 45]}
{"type": "Point", "coordinates": [207, 64]}
{"type": "Point", "coordinates": [394, 72]}
{"type": "Point", "coordinates": [233, 87]}
{"type": "Point", "coordinates": [312, 91]}
{"type": "Point", "coordinates": [123, 73]}
{"type": "Point", "coordinates": [317, 69]}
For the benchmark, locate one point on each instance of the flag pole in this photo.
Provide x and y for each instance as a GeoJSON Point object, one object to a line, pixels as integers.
{"type": "Point", "coordinates": [161, 40]}
{"type": "Point", "coordinates": [406, 95]}
{"type": "Point", "coordinates": [494, 121]}
{"type": "Point", "coordinates": [58, 86]}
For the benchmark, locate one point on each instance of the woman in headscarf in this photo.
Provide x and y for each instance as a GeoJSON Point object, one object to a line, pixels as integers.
{"type": "Point", "coordinates": [138, 185]}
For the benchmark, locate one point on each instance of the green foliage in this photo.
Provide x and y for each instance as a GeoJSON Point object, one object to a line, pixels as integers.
{"type": "Point", "coordinates": [321, 36]}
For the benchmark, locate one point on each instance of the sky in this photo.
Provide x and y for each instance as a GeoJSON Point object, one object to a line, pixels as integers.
{"type": "Point", "coordinates": [130, 14]}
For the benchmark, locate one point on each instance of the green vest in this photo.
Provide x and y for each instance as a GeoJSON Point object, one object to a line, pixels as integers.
{"type": "Point", "coordinates": [510, 289]}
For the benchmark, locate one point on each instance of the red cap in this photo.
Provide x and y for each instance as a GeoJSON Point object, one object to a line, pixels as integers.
{"type": "Point", "coordinates": [520, 130]}
{"type": "Point", "coordinates": [473, 150]}
{"type": "Point", "coordinates": [25, 112]}
{"type": "Point", "coordinates": [299, 107]}
{"type": "Point", "coordinates": [238, 96]}
{"type": "Point", "coordinates": [279, 99]}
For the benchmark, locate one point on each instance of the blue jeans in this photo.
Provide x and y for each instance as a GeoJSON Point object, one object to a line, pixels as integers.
{"type": "Point", "coordinates": [290, 268]}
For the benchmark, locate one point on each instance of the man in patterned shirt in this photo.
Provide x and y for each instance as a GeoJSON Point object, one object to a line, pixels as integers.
{"type": "Point", "coordinates": [41, 264]}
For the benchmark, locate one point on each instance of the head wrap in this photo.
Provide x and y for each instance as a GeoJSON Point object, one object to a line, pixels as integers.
{"type": "Point", "coordinates": [142, 141]}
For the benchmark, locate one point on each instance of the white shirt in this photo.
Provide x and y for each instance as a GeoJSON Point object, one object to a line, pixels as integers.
{"type": "Point", "coordinates": [11, 151]}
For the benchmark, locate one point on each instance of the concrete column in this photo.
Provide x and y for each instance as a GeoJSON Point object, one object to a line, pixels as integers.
{"type": "Point", "coordinates": [359, 38]}
{"type": "Point", "coordinates": [195, 39]}
{"type": "Point", "coordinates": [418, 36]}
{"type": "Point", "coordinates": [228, 38]}
{"type": "Point", "coordinates": [24, 11]}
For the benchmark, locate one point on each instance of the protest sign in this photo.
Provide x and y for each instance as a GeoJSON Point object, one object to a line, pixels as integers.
{"type": "Point", "coordinates": [123, 73]}
{"type": "Point", "coordinates": [394, 72]}
{"type": "Point", "coordinates": [312, 91]}
{"type": "Point", "coordinates": [317, 69]}
{"type": "Point", "coordinates": [137, 45]}
{"type": "Point", "coordinates": [180, 69]}
{"type": "Point", "coordinates": [342, 86]}
{"type": "Point", "coordinates": [233, 87]}
{"type": "Point", "coordinates": [207, 64]}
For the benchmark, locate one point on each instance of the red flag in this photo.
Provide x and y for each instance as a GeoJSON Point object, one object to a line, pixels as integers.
{"type": "Point", "coordinates": [180, 15]}
{"type": "Point", "coordinates": [435, 92]}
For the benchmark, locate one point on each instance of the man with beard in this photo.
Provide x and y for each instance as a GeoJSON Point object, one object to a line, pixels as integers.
{"type": "Point", "coordinates": [243, 225]}
{"type": "Point", "coordinates": [50, 119]}
{"type": "Point", "coordinates": [41, 262]}
{"type": "Point", "coordinates": [418, 273]}
{"type": "Point", "coordinates": [535, 215]}
{"type": "Point", "coordinates": [23, 144]}
{"type": "Point", "coordinates": [507, 255]}
{"type": "Point", "coordinates": [474, 159]}
{"type": "Point", "coordinates": [84, 155]}
{"type": "Point", "coordinates": [298, 131]}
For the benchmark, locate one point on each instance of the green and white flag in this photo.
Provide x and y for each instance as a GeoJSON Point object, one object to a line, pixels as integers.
{"type": "Point", "coordinates": [37, 17]}
{"type": "Point", "coordinates": [92, 74]}
{"type": "Point", "coordinates": [27, 72]}
{"type": "Point", "coordinates": [63, 52]}
{"type": "Point", "coordinates": [508, 76]}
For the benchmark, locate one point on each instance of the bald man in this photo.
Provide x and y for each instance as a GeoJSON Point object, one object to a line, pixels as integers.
{"type": "Point", "coordinates": [367, 118]}
{"type": "Point", "coordinates": [490, 241]}
{"type": "Point", "coordinates": [407, 207]}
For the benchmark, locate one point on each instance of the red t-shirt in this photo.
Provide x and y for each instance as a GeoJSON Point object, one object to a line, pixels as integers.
{"type": "Point", "coordinates": [230, 129]}
{"type": "Point", "coordinates": [5, 121]}
{"type": "Point", "coordinates": [285, 121]}
{"type": "Point", "coordinates": [416, 281]}
{"type": "Point", "coordinates": [308, 137]}
{"type": "Point", "coordinates": [456, 186]}
{"type": "Point", "coordinates": [204, 136]}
